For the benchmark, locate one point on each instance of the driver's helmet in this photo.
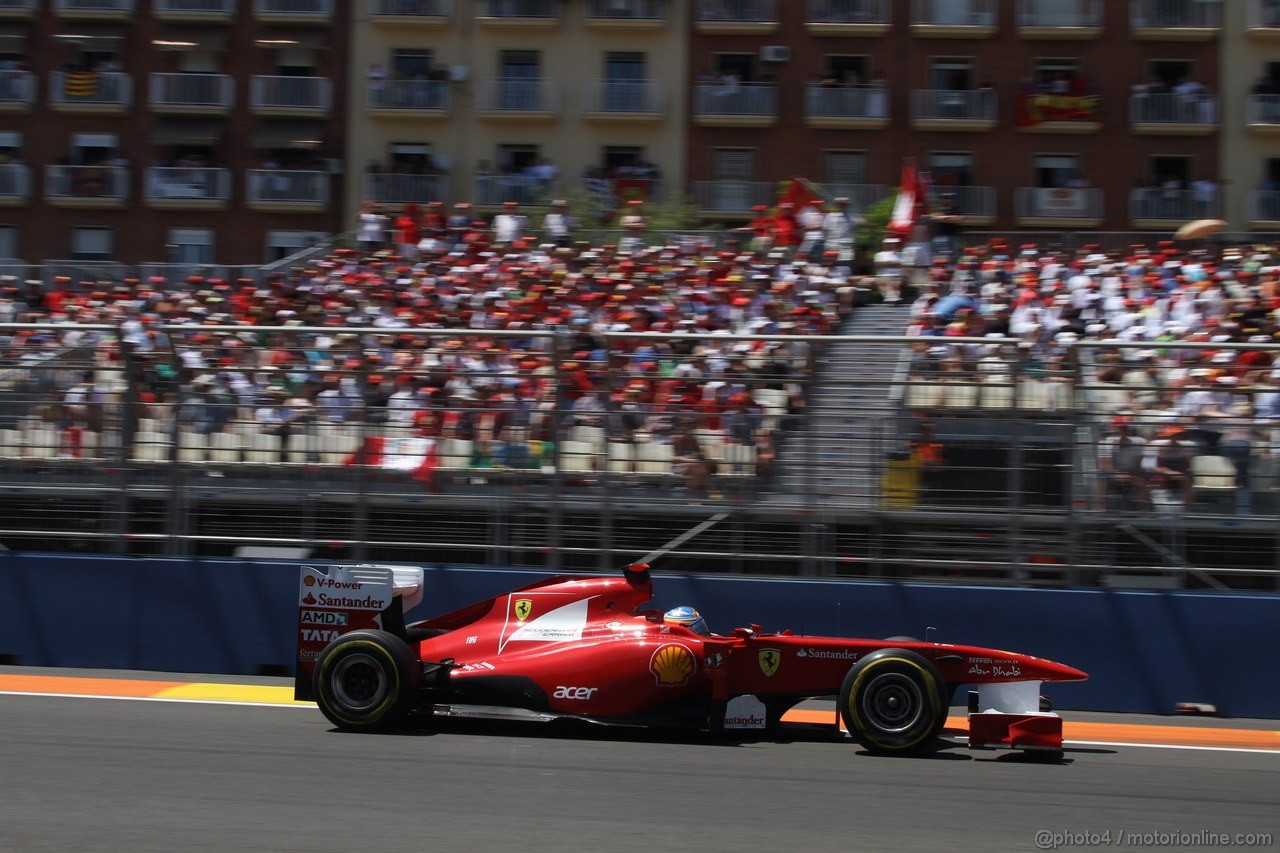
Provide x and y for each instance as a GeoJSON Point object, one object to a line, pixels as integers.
{"type": "Point", "coordinates": [688, 617]}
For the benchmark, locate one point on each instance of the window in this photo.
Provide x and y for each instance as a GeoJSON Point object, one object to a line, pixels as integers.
{"type": "Point", "coordinates": [514, 159]}
{"type": "Point", "coordinates": [1171, 172]}
{"type": "Point", "coordinates": [296, 62]}
{"type": "Point", "coordinates": [91, 149]}
{"type": "Point", "coordinates": [741, 65]}
{"type": "Point", "coordinates": [616, 157]}
{"type": "Point", "coordinates": [1055, 75]}
{"type": "Point", "coordinates": [951, 168]}
{"type": "Point", "coordinates": [411, 64]}
{"type": "Point", "coordinates": [198, 62]}
{"type": "Point", "coordinates": [9, 242]}
{"type": "Point", "coordinates": [1167, 73]}
{"type": "Point", "coordinates": [624, 66]}
{"type": "Point", "coordinates": [282, 244]}
{"type": "Point", "coordinates": [520, 65]}
{"type": "Point", "coordinates": [1056, 170]}
{"type": "Point", "coordinates": [843, 168]}
{"type": "Point", "coordinates": [411, 158]}
{"type": "Point", "coordinates": [92, 244]}
{"type": "Point", "coordinates": [733, 164]}
{"type": "Point", "coordinates": [190, 246]}
{"type": "Point", "coordinates": [846, 71]}
{"type": "Point", "coordinates": [10, 145]}
{"type": "Point", "coordinates": [952, 74]}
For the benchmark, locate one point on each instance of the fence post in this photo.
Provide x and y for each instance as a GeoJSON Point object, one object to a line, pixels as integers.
{"type": "Point", "coordinates": [555, 517]}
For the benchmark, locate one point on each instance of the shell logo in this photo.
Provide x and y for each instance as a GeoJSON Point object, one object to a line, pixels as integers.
{"type": "Point", "coordinates": [672, 665]}
{"type": "Point", "coordinates": [308, 581]}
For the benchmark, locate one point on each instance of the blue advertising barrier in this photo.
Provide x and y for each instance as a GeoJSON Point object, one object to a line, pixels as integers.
{"type": "Point", "coordinates": [1144, 651]}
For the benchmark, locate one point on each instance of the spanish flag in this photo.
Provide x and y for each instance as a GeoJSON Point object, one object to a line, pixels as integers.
{"type": "Point", "coordinates": [81, 84]}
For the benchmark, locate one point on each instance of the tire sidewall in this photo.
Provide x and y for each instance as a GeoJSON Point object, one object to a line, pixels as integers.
{"type": "Point", "coordinates": [920, 672]}
{"type": "Point", "coordinates": [392, 658]}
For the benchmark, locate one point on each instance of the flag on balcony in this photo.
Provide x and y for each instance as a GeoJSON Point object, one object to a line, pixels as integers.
{"type": "Point", "coordinates": [1036, 109]}
{"type": "Point", "coordinates": [81, 84]}
{"type": "Point", "coordinates": [799, 193]}
{"type": "Point", "coordinates": [912, 201]}
{"type": "Point", "coordinates": [417, 456]}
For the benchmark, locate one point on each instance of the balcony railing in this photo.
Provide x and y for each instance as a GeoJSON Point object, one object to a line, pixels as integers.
{"type": "Point", "coordinates": [1059, 14]}
{"type": "Point", "coordinates": [15, 182]}
{"type": "Point", "coordinates": [1168, 109]}
{"type": "Point", "coordinates": [293, 8]}
{"type": "Point", "coordinates": [90, 88]}
{"type": "Point", "coordinates": [514, 9]}
{"type": "Point", "coordinates": [86, 183]}
{"type": "Point", "coordinates": [846, 102]}
{"type": "Point", "coordinates": [626, 10]}
{"type": "Point", "coordinates": [1264, 110]}
{"type": "Point", "coordinates": [1065, 203]}
{"type": "Point", "coordinates": [970, 202]}
{"type": "Point", "coordinates": [414, 8]}
{"type": "Point", "coordinates": [623, 96]}
{"type": "Point", "coordinates": [1264, 206]}
{"type": "Point", "coordinates": [849, 12]}
{"type": "Point", "coordinates": [8, 7]}
{"type": "Point", "coordinates": [1175, 14]}
{"type": "Point", "coordinates": [17, 87]}
{"type": "Point", "coordinates": [179, 183]}
{"type": "Point", "coordinates": [733, 196]}
{"type": "Point", "coordinates": [736, 99]}
{"type": "Point", "coordinates": [194, 7]}
{"type": "Point", "coordinates": [953, 13]}
{"type": "Point", "coordinates": [92, 7]}
{"type": "Point", "coordinates": [951, 105]}
{"type": "Point", "coordinates": [512, 95]}
{"type": "Point", "coordinates": [403, 189]}
{"type": "Point", "coordinates": [495, 189]}
{"type": "Point", "coordinates": [736, 11]}
{"type": "Point", "coordinates": [409, 95]}
{"type": "Point", "coordinates": [291, 93]}
{"type": "Point", "coordinates": [1173, 205]}
{"type": "Point", "coordinates": [192, 90]}
{"type": "Point", "coordinates": [286, 186]}
{"type": "Point", "coordinates": [861, 196]}
{"type": "Point", "coordinates": [1262, 14]}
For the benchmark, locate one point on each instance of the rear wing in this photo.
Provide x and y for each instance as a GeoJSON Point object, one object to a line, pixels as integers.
{"type": "Point", "coordinates": [347, 598]}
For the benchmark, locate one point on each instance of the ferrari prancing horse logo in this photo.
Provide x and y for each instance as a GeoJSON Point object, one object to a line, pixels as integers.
{"type": "Point", "coordinates": [769, 660]}
{"type": "Point", "coordinates": [524, 606]}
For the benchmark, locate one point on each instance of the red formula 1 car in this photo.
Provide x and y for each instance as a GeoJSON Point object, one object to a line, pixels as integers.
{"type": "Point", "coordinates": [587, 648]}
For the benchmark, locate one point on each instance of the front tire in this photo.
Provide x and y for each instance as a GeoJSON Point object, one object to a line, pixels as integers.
{"type": "Point", "coordinates": [366, 681]}
{"type": "Point", "coordinates": [891, 702]}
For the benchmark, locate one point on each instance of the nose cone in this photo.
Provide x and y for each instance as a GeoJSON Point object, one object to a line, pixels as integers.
{"type": "Point", "coordinates": [1047, 670]}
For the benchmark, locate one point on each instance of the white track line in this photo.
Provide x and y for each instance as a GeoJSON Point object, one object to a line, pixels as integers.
{"type": "Point", "coordinates": [1171, 746]}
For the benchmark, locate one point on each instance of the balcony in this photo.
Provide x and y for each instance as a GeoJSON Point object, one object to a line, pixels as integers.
{"type": "Point", "coordinates": [1164, 209]}
{"type": "Point", "coordinates": [735, 104]}
{"type": "Point", "coordinates": [293, 11]}
{"type": "Point", "coordinates": [525, 14]}
{"type": "Point", "coordinates": [94, 10]}
{"type": "Point", "coordinates": [194, 11]}
{"type": "Point", "coordinates": [976, 204]}
{"type": "Point", "coordinates": [17, 91]}
{"type": "Point", "coordinates": [291, 96]}
{"type": "Point", "coordinates": [861, 196]}
{"type": "Point", "coordinates": [848, 17]}
{"type": "Point", "coordinates": [1264, 113]}
{"type": "Point", "coordinates": [412, 13]}
{"type": "Point", "coordinates": [1264, 210]}
{"type": "Point", "coordinates": [623, 101]}
{"type": "Point", "coordinates": [1061, 207]}
{"type": "Point", "coordinates": [86, 186]}
{"type": "Point", "coordinates": [1045, 112]}
{"type": "Point", "coordinates": [1174, 115]}
{"type": "Point", "coordinates": [15, 185]}
{"type": "Point", "coordinates": [18, 9]}
{"type": "Point", "coordinates": [90, 92]}
{"type": "Point", "coordinates": [626, 14]}
{"type": "Point", "coordinates": [192, 94]}
{"type": "Point", "coordinates": [1059, 19]}
{"type": "Point", "coordinates": [510, 99]}
{"type": "Point", "coordinates": [180, 188]}
{"type": "Point", "coordinates": [415, 99]}
{"type": "Point", "coordinates": [844, 107]}
{"type": "Point", "coordinates": [493, 190]}
{"type": "Point", "coordinates": [287, 190]}
{"type": "Point", "coordinates": [1262, 19]}
{"type": "Point", "coordinates": [955, 19]}
{"type": "Point", "coordinates": [735, 17]}
{"type": "Point", "coordinates": [403, 189]}
{"type": "Point", "coordinates": [945, 109]}
{"type": "Point", "coordinates": [732, 198]}
{"type": "Point", "coordinates": [1175, 20]}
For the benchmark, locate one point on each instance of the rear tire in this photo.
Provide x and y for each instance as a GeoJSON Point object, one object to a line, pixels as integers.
{"type": "Point", "coordinates": [891, 702]}
{"type": "Point", "coordinates": [366, 681]}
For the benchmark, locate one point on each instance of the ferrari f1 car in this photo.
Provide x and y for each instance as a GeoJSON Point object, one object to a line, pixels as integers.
{"type": "Point", "coordinates": [588, 648]}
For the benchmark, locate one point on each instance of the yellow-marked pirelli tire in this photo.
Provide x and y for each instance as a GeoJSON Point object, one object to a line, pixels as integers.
{"type": "Point", "coordinates": [891, 702]}
{"type": "Point", "coordinates": [366, 681]}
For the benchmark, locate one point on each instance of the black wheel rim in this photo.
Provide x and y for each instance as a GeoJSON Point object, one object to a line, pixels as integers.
{"type": "Point", "coordinates": [359, 682]}
{"type": "Point", "coordinates": [892, 703]}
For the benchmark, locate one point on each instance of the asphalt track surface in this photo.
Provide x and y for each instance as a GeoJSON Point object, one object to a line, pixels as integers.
{"type": "Point", "coordinates": [93, 774]}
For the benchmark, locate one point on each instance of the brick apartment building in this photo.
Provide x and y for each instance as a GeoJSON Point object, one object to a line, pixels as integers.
{"type": "Point", "coordinates": [1033, 113]}
{"type": "Point", "coordinates": [184, 131]}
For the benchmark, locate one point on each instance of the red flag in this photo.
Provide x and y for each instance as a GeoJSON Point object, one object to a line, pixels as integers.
{"type": "Point", "coordinates": [797, 193]}
{"type": "Point", "coordinates": [910, 205]}
{"type": "Point", "coordinates": [414, 455]}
